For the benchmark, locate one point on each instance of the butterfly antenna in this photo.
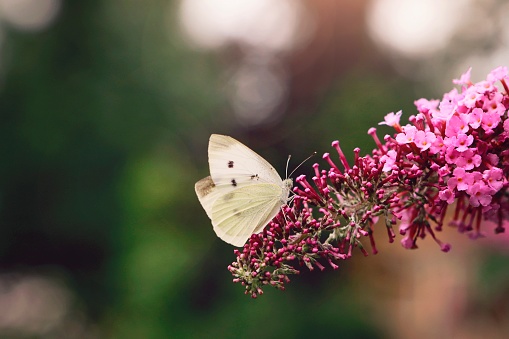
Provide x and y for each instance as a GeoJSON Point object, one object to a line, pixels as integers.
{"type": "Point", "coordinates": [287, 163]}
{"type": "Point", "coordinates": [312, 155]}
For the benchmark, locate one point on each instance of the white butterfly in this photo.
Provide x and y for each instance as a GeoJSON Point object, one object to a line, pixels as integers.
{"type": "Point", "coordinates": [243, 192]}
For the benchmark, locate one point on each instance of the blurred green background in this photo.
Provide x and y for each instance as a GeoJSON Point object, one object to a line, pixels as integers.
{"type": "Point", "coordinates": [106, 109]}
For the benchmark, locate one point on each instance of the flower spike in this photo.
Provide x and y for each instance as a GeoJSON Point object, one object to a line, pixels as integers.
{"type": "Point", "coordinates": [455, 151]}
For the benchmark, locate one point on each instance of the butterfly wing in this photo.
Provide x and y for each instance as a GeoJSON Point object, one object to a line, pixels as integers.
{"type": "Point", "coordinates": [207, 193]}
{"type": "Point", "coordinates": [243, 192]}
{"type": "Point", "coordinates": [233, 163]}
{"type": "Point", "coordinates": [245, 211]}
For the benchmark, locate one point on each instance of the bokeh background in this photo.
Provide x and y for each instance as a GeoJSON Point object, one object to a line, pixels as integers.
{"type": "Point", "coordinates": [106, 108]}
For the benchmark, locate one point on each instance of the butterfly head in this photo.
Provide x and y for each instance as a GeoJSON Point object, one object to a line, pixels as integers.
{"type": "Point", "coordinates": [287, 187]}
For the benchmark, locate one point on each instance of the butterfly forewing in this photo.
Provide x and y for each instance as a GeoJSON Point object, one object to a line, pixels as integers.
{"type": "Point", "coordinates": [208, 193]}
{"type": "Point", "coordinates": [232, 163]}
{"type": "Point", "coordinates": [245, 211]}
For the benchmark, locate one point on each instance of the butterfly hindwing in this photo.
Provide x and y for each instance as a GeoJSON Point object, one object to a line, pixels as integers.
{"type": "Point", "coordinates": [245, 211]}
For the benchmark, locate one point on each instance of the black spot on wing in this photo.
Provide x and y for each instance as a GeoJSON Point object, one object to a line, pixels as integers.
{"type": "Point", "coordinates": [234, 183]}
{"type": "Point", "coordinates": [230, 164]}
{"type": "Point", "coordinates": [255, 176]}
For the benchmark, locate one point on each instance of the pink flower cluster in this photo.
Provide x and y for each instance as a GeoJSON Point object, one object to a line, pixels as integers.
{"type": "Point", "coordinates": [453, 151]}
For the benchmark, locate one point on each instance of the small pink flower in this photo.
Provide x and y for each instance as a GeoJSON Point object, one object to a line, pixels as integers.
{"type": "Point", "coordinates": [497, 74]}
{"type": "Point", "coordinates": [424, 140]}
{"type": "Point", "coordinates": [490, 121]}
{"type": "Point", "coordinates": [451, 155]}
{"type": "Point", "coordinates": [407, 136]}
{"type": "Point", "coordinates": [391, 119]}
{"type": "Point", "coordinates": [494, 178]}
{"type": "Point", "coordinates": [447, 195]}
{"type": "Point", "coordinates": [471, 97]}
{"type": "Point", "coordinates": [494, 106]}
{"type": "Point", "coordinates": [463, 141]}
{"type": "Point", "coordinates": [448, 105]}
{"type": "Point", "coordinates": [425, 105]}
{"type": "Point", "coordinates": [461, 180]}
{"type": "Point", "coordinates": [444, 170]}
{"type": "Point", "coordinates": [437, 146]}
{"type": "Point", "coordinates": [457, 124]}
{"type": "Point", "coordinates": [460, 142]}
{"type": "Point", "coordinates": [464, 79]}
{"type": "Point", "coordinates": [475, 118]}
{"type": "Point", "coordinates": [468, 160]}
{"type": "Point", "coordinates": [484, 86]}
{"type": "Point", "coordinates": [480, 194]}
{"type": "Point", "coordinates": [388, 159]}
